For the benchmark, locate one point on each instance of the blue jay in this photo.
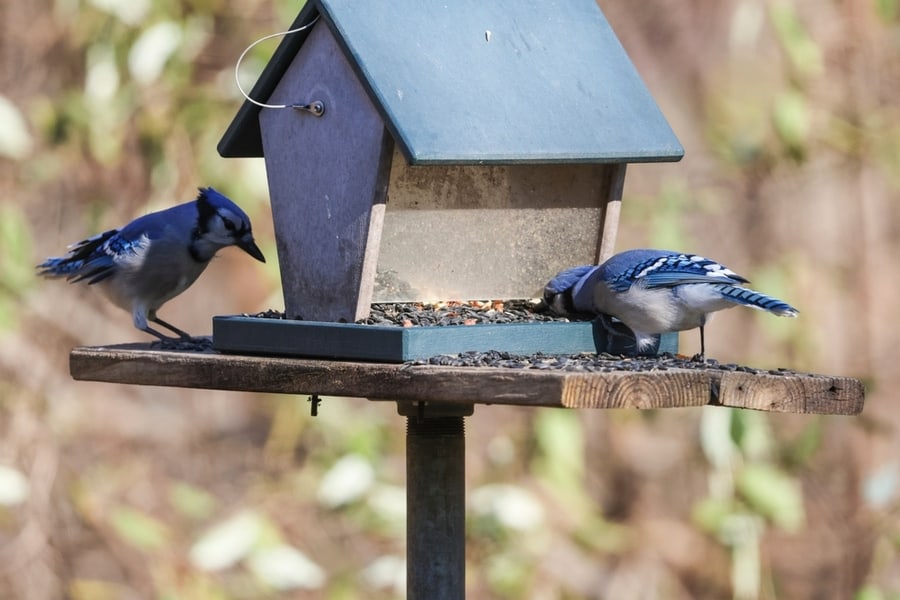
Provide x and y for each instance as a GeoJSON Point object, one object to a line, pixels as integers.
{"type": "Point", "coordinates": [656, 291]}
{"type": "Point", "coordinates": [154, 258]}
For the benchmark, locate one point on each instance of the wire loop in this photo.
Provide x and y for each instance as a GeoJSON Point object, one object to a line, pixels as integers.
{"type": "Point", "coordinates": [237, 67]}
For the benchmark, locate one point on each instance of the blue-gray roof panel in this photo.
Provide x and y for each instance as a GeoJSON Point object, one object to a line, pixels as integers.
{"type": "Point", "coordinates": [502, 81]}
{"type": "Point", "coordinates": [486, 81]}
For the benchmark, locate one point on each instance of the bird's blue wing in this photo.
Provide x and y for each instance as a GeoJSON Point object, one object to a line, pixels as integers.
{"type": "Point", "coordinates": [95, 258]}
{"type": "Point", "coordinates": [79, 254]}
{"type": "Point", "coordinates": [103, 262]}
{"type": "Point", "coordinates": [668, 270]}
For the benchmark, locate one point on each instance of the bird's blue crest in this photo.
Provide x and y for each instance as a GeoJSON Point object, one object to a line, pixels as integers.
{"type": "Point", "coordinates": [571, 289]}
{"type": "Point", "coordinates": [210, 199]}
{"type": "Point", "coordinates": [565, 280]}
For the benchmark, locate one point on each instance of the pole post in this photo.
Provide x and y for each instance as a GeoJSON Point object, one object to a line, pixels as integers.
{"type": "Point", "coordinates": [435, 501]}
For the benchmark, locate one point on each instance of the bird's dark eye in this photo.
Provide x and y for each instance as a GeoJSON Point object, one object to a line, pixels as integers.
{"type": "Point", "coordinates": [228, 225]}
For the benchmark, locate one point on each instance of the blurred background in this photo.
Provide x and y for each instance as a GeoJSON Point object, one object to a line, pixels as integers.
{"type": "Point", "coordinates": [789, 116]}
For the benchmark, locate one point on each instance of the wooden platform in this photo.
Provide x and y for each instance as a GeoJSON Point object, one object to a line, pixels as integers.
{"type": "Point", "coordinates": [792, 393]}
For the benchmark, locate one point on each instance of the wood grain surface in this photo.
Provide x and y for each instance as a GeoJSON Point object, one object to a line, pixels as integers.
{"type": "Point", "coordinates": [792, 393]}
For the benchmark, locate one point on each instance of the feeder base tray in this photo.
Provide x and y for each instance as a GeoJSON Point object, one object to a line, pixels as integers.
{"type": "Point", "coordinates": [350, 341]}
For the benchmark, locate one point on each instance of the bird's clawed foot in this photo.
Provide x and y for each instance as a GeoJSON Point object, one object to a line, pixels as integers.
{"type": "Point", "coordinates": [184, 341]}
{"type": "Point", "coordinates": [199, 343]}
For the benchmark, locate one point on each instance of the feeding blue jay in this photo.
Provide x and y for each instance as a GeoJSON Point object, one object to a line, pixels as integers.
{"type": "Point", "coordinates": [154, 258]}
{"type": "Point", "coordinates": [656, 291]}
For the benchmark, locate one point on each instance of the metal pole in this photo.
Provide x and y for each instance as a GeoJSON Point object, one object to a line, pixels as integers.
{"type": "Point", "coordinates": [435, 504]}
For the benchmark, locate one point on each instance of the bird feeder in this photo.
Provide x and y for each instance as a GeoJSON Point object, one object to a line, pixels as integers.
{"type": "Point", "coordinates": [465, 150]}
{"type": "Point", "coordinates": [439, 151]}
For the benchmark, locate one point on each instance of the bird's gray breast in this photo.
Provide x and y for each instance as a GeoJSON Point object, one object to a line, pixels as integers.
{"type": "Point", "coordinates": [163, 271]}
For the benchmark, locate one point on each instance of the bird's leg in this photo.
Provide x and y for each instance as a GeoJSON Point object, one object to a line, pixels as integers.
{"type": "Point", "coordinates": [162, 337]}
{"type": "Point", "coordinates": [140, 316]}
{"type": "Point", "coordinates": [183, 341]}
{"type": "Point", "coordinates": [702, 356]}
{"type": "Point", "coordinates": [182, 334]}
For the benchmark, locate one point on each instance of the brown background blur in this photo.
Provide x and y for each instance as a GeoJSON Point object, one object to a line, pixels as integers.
{"type": "Point", "coordinates": [789, 116]}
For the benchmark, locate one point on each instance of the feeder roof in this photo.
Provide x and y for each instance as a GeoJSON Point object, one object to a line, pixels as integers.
{"type": "Point", "coordinates": [474, 82]}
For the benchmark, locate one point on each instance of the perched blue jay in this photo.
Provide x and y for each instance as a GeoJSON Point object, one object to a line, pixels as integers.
{"type": "Point", "coordinates": [656, 291]}
{"type": "Point", "coordinates": [154, 258]}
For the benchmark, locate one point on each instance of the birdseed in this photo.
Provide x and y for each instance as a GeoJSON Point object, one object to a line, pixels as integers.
{"type": "Point", "coordinates": [452, 313]}
{"type": "Point", "coordinates": [193, 344]}
{"type": "Point", "coordinates": [587, 362]}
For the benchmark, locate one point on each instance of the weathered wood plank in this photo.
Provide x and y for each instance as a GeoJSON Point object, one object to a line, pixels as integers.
{"type": "Point", "coordinates": [798, 393]}
{"type": "Point", "coordinates": [611, 211]}
{"type": "Point", "coordinates": [652, 389]}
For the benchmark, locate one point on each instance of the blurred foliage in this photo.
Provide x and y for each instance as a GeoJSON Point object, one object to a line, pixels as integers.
{"type": "Point", "coordinates": [788, 112]}
{"type": "Point", "coordinates": [804, 54]}
{"type": "Point", "coordinates": [16, 273]}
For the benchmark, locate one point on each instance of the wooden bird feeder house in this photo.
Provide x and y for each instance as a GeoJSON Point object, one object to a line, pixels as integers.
{"type": "Point", "coordinates": [437, 151]}
{"type": "Point", "coordinates": [462, 151]}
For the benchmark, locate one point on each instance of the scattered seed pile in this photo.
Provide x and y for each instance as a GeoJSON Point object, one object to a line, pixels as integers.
{"type": "Point", "coordinates": [441, 314]}
{"type": "Point", "coordinates": [266, 314]}
{"type": "Point", "coordinates": [193, 344]}
{"type": "Point", "coordinates": [592, 363]}
{"type": "Point", "coordinates": [412, 314]}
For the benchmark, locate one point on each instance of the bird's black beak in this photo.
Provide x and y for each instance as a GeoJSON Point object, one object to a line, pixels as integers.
{"type": "Point", "coordinates": [249, 246]}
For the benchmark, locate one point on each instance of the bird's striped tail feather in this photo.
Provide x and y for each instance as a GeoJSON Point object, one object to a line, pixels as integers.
{"type": "Point", "coordinates": [59, 267]}
{"type": "Point", "coordinates": [754, 299]}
